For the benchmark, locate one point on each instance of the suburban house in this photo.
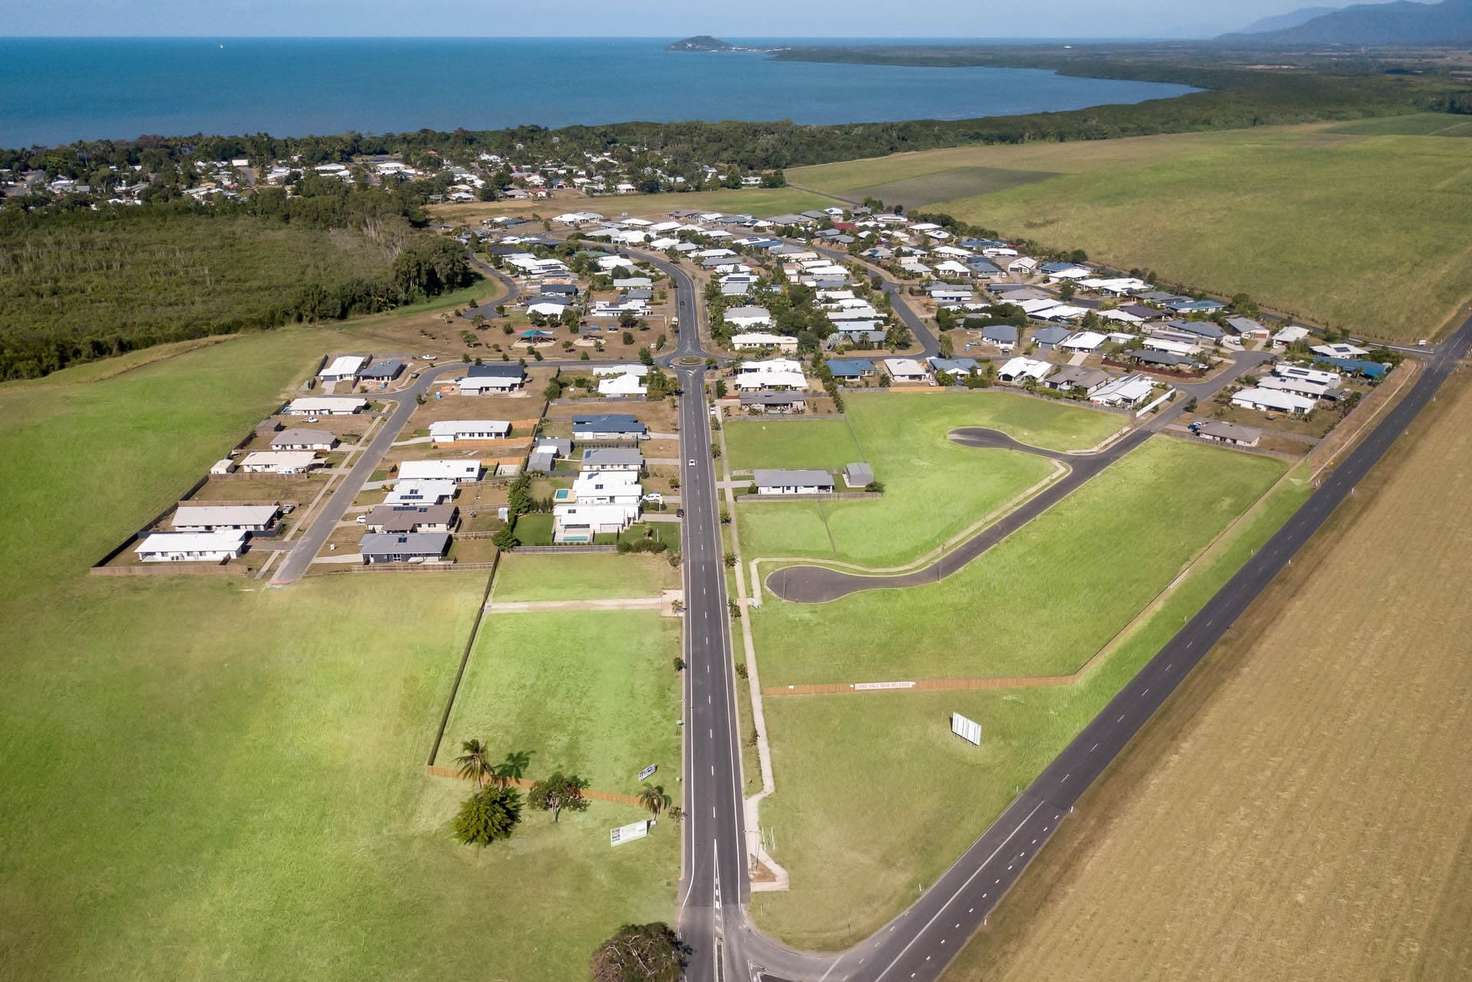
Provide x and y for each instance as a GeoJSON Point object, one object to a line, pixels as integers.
{"type": "Point", "coordinates": [1001, 336]}
{"type": "Point", "coordinates": [407, 493]}
{"type": "Point", "coordinates": [907, 371]}
{"type": "Point", "coordinates": [1050, 337]}
{"type": "Point", "coordinates": [343, 368]}
{"type": "Point", "coordinates": [417, 518]}
{"type": "Point", "coordinates": [279, 462]}
{"type": "Point", "coordinates": [605, 371]}
{"type": "Point", "coordinates": [214, 518]}
{"type": "Point", "coordinates": [596, 459]}
{"type": "Point", "coordinates": [1123, 393]}
{"type": "Point", "coordinates": [774, 403]}
{"type": "Point", "coordinates": [403, 547]}
{"type": "Point", "coordinates": [952, 366]}
{"type": "Point", "coordinates": [608, 427]}
{"type": "Point", "coordinates": [775, 373]}
{"type": "Point", "coordinates": [383, 371]}
{"type": "Point", "coordinates": [748, 317]}
{"type": "Point", "coordinates": [622, 386]}
{"type": "Point", "coordinates": [599, 503]}
{"type": "Point", "coordinates": [850, 369]}
{"type": "Point", "coordinates": [456, 430]}
{"type": "Point", "coordinates": [1273, 401]}
{"type": "Point", "coordinates": [325, 406]}
{"type": "Point", "coordinates": [1083, 341]}
{"type": "Point", "coordinates": [298, 438]}
{"type": "Point", "coordinates": [1291, 334]}
{"type": "Point", "coordinates": [757, 340]}
{"type": "Point", "coordinates": [1339, 350]}
{"type": "Point", "coordinates": [504, 377]}
{"type": "Point", "coordinates": [1219, 431]}
{"type": "Point", "coordinates": [458, 471]}
{"type": "Point", "coordinates": [1076, 378]}
{"type": "Point", "coordinates": [1018, 370]}
{"type": "Point", "coordinates": [191, 547]}
{"type": "Point", "coordinates": [770, 482]}
{"type": "Point", "coordinates": [1160, 359]}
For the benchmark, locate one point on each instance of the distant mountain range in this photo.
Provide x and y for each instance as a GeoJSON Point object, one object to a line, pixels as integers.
{"type": "Point", "coordinates": [1399, 23]}
{"type": "Point", "coordinates": [1283, 22]}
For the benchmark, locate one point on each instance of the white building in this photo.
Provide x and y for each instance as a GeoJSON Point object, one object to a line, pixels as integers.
{"type": "Point", "coordinates": [1273, 401]}
{"type": "Point", "coordinates": [1019, 370]}
{"type": "Point", "coordinates": [325, 406]}
{"type": "Point", "coordinates": [214, 518]}
{"type": "Point", "coordinates": [1123, 393]}
{"type": "Point", "coordinates": [456, 471]}
{"type": "Point", "coordinates": [420, 493]}
{"type": "Point", "coordinates": [622, 386]}
{"type": "Point", "coordinates": [343, 367]}
{"type": "Point", "coordinates": [191, 547]}
{"type": "Point", "coordinates": [748, 317]}
{"type": "Point", "coordinates": [774, 373]}
{"type": "Point", "coordinates": [789, 482]}
{"type": "Point", "coordinates": [599, 503]}
{"type": "Point", "coordinates": [907, 370]}
{"type": "Point", "coordinates": [279, 462]}
{"type": "Point", "coordinates": [454, 430]}
{"type": "Point", "coordinates": [756, 340]}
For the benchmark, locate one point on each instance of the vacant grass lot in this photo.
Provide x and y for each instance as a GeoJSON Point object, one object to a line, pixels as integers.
{"type": "Point", "coordinates": [850, 873]}
{"type": "Point", "coordinates": [1290, 215]}
{"type": "Point", "coordinates": [592, 693]}
{"type": "Point", "coordinates": [1299, 809]}
{"type": "Point", "coordinates": [207, 779]}
{"type": "Point", "coordinates": [934, 488]}
{"type": "Point", "coordinates": [1045, 599]}
{"type": "Point", "coordinates": [582, 576]}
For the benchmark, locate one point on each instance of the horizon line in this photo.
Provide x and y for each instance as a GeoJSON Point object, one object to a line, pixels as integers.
{"type": "Point", "coordinates": [1133, 39]}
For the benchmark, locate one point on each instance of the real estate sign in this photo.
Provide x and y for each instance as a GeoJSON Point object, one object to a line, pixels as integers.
{"type": "Point", "coordinates": [630, 832]}
{"type": "Point", "coordinates": [648, 772]}
{"type": "Point", "coordinates": [967, 729]}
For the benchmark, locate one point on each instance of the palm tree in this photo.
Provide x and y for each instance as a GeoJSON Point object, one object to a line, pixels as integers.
{"type": "Point", "coordinates": [513, 768]}
{"type": "Point", "coordinates": [475, 762]}
{"type": "Point", "coordinates": [653, 797]}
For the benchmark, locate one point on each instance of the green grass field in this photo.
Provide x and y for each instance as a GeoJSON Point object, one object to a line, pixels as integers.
{"type": "Point", "coordinates": [210, 779]}
{"type": "Point", "coordinates": [588, 692]}
{"type": "Point", "coordinates": [934, 488]}
{"type": "Point", "coordinates": [851, 873]}
{"type": "Point", "coordinates": [582, 576]}
{"type": "Point", "coordinates": [1293, 216]}
{"type": "Point", "coordinates": [1042, 601]}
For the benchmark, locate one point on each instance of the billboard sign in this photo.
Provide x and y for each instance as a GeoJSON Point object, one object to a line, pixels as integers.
{"type": "Point", "coordinates": [630, 832]}
{"type": "Point", "coordinates": [648, 772]}
{"type": "Point", "coordinates": [967, 729]}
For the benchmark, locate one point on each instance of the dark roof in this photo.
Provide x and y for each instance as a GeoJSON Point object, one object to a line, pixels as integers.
{"type": "Point", "coordinates": [850, 367]}
{"type": "Point", "coordinates": [1051, 335]}
{"type": "Point", "coordinates": [404, 544]}
{"type": "Point", "coordinates": [1002, 333]}
{"type": "Point", "coordinates": [1141, 311]}
{"type": "Point", "coordinates": [1205, 329]}
{"type": "Point", "coordinates": [407, 519]}
{"type": "Point", "coordinates": [1149, 357]}
{"type": "Point", "coordinates": [388, 368]}
{"type": "Point", "coordinates": [503, 370]}
{"type": "Point", "coordinates": [609, 423]}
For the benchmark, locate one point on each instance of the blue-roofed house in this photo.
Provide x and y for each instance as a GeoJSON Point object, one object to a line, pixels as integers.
{"type": "Point", "coordinates": [850, 369]}
{"type": "Point", "coordinates": [983, 267]}
{"type": "Point", "coordinates": [952, 366]}
{"type": "Point", "coordinates": [608, 426]}
{"type": "Point", "coordinates": [1372, 370]}
{"type": "Point", "coordinates": [1048, 338]}
{"type": "Point", "coordinates": [1002, 336]}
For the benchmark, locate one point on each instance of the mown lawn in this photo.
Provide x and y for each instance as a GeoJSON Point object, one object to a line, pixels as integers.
{"type": "Point", "coordinates": [833, 754]}
{"type": "Point", "coordinates": [934, 488]}
{"type": "Point", "coordinates": [207, 778]}
{"type": "Point", "coordinates": [582, 576]}
{"type": "Point", "coordinates": [1042, 601]}
{"type": "Point", "coordinates": [1292, 216]}
{"type": "Point", "coordinates": [593, 693]}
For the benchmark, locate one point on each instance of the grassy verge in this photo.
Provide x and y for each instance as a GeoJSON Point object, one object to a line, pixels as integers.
{"type": "Point", "coordinates": [934, 488]}
{"type": "Point", "coordinates": [851, 873]}
{"type": "Point", "coordinates": [1042, 601]}
{"type": "Point", "coordinates": [583, 576]}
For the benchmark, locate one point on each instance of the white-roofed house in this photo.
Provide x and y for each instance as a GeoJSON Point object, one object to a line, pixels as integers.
{"type": "Point", "coordinates": [325, 406]}
{"type": "Point", "coordinates": [622, 386]}
{"type": "Point", "coordinates": [757, 340]}
{"type": "Point", "coordinates": [457, 430]}
{"type": "Point", "coordinates": [907, 371]}
{"type": "Point", "coordinates": [213, 518]}
{"type": "Point", "coordinates": [748, 317]}
{"type": "Point", "coordinates": [191, 547]}
{"type": "Point", "coordinates": [1273, 401]}
{"type": "Point", "coordinates": [283, 462]}
{"type": "Point", "coordinates": [343, 367]}
{"type": "Point", "coordinates": [1019, 370]}
{"type": "Point", "coordinates": [458, 471]}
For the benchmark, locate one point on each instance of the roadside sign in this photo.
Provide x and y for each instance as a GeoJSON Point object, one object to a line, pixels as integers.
{"type": "Point", "coordinates": [630, 832]}
{"type": "Point", "coordinates": [967, 729]}
{"type": "Point", "coordinates": [648, 772]}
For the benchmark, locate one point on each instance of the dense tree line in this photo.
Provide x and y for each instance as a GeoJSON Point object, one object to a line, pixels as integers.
{"type": "Point", "coordinates": [77, 285]}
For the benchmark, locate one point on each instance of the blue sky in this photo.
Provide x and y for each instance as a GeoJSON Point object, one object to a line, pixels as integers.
{"type": "Point", "coordinates": [657, 18]}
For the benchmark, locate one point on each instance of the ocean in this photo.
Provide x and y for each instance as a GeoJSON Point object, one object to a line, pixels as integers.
{"type": "Point", "coordinates": [58, 90]}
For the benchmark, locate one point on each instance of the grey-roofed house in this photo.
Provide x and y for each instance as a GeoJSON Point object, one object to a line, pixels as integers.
{"type": "Point", "coordinates": [736, 288]}
{"type": "Point", "coordinates": [952, 366]}
{"type": "Point", "coordinates": [301, 438]}
{"type": "Point", "coordinates": [847, 369]}
{"type": "Point", "coordinates": [1050, 337]}
{"type": "Point", "coordinates": [612, 459]}
{"type": "Point", "coordinates": [405, 547]}
{"type": "Point", "coordinates": [1143, 312]}
{"type": "Point", "coordinates": [770, 482]}
{"type": "Point", "coordinates": [1003, 336]}
{"type": "Point", "coordinates": [1219, 431]}
{"type": "Point", "coordinates": [608, 426]}
{"type": "Point", "coordinates": [382, 370]}
{"type": "Point", "coordinates": [1201, 329]}
{"type": "Point", "coordinates": [791, 220]}
{"type": "Point", "coordinates": [858, 475]}
{"type": "Point", "coordinates": [778, 403]}
{"type": "Point", "coordinates": [1246, 325]}
{"type": "Point", "coordinates": [1071, 378]}
{"type": "Point", "coordinates": [853, 336]}
{"type": "Point", "coordinates": [418, 518]}
{"type": "Point", "coordinates": [1159, 359]}
{"type": "Point", "coordinates": [540, 462]}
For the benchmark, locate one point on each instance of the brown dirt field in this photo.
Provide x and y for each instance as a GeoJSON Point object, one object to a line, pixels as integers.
{"type": "Point", "coordinates": [1300, 809]}
{"type": "Point", "coordinates": [261, 488]}
{"type": "Point", "coordinates": [522, 406]}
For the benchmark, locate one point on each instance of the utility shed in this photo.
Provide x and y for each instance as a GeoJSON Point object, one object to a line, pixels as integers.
{"type": "Point", "coordinates": [859, 475]}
